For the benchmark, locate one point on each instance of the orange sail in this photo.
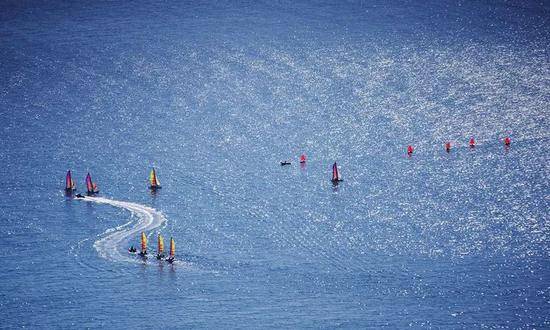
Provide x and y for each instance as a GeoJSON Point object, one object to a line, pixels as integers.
{"type": "Point", "coordinates": [160, 247]}
{"type": "Point", "coordinates": [172, 248]}
{"type": "Point", "coordinates": [143, 242]}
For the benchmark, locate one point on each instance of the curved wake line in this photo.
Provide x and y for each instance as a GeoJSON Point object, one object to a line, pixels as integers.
{"type": "Point", "coordinates": [108, 246]}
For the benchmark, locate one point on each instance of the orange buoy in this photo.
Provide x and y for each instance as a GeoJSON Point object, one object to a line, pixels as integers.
{"type": "Point", "coordinates": [410, 149]}
{"type": "Point", "coordinates": [472, 142]}
{"type": "Point", "coordinates": [507, 141]}
{"type": "Point", "coordinates": [303, 158]}
{"type": "Point", "coordinates": [448, 146]}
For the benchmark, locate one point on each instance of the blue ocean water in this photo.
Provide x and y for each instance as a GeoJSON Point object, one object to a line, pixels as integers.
{"type": "Point", "coordinates": [214, 94]}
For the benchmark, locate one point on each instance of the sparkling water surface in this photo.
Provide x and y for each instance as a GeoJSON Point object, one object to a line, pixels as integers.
{"type": "Point", "coordinates": [215, 95]}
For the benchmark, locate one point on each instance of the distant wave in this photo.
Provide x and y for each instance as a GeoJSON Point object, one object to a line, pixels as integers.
{"type": "Point", "coordinates": [109, 245]}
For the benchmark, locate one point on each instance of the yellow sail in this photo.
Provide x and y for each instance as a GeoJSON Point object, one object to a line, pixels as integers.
{"type": "Point", "coordinates": [153, 179]}
{"type": "Point", "coordinates": [172, 247]}
{"type": "Point", "coordinates": [160, 244]}
{"type": "Point", "coordinates": [143, 242]}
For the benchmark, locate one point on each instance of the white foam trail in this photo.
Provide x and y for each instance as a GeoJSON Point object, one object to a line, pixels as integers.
{"type": "Point", "coordinates": [108, 246]}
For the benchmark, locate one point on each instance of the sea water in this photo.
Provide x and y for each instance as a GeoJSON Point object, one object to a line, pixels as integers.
{"type": "Point", "coordinates": [214, 94]}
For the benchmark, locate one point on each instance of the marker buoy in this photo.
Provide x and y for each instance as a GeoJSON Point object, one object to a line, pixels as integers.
{"type": "Point", "coordinates": [472, 142]}
{"type": "Point", "coordinates": [410, 150]}
{"type": "Point", "coordinates": [448, 146]}
{"type": "Point", "coordinates": [507, 141]}
{"type": "Point", "coordinates": [302, 158]}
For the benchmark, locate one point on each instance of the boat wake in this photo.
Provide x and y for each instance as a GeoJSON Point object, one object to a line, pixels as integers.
{"type": "Point", "coordinates": [110, 242]}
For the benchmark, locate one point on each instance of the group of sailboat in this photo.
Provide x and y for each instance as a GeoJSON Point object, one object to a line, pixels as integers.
{"type": "Point", "coordinates": [70, 186]}
{"type": "Point", "coordinates": [160, 249]}
{"type": "Point", "coordinates": [154, 184]}
{"type": "Point", "coordinates": [336, 177]}
{"type": "Point", "coordinates": [93, 189]}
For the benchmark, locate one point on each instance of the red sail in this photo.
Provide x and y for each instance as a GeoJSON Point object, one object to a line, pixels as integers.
{"type": "Point", "coordinates": [335, 175]}
{"type": "Point", "coordinates": [68, 181]}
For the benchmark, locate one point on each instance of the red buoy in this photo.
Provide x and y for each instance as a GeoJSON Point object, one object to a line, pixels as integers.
{"type": "Point", "coordinates": [472, 142]}
{"type": "Point", "coordinates": [410, 149]}
{"type": "Point", "coordinates": [448, 146]}
{"type": "Point", "coordinates": [302, 158]}
{"type": "Point", "coordinates": [507, 141]}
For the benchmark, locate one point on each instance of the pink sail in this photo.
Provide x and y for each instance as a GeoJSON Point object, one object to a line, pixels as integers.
{"type": "Point", "coordinates": [69, 184]}
{"type": "Point", "coordinates": [89, 184]}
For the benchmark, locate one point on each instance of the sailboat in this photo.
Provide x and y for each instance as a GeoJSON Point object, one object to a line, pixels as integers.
{"type": "Point", "coordinates": [160, 248]}
{"type": "Point", "coordinates": [91, 187]}
{"type": "Point", "coordinates": [143, 252]}
{"type": "Point", "coordinates": [172, 254]}
{"type": "Point", "coordinates": [335, 174]}
{"type": "Point", "coordinates": [69, 183]}
{"type": "Point", "coordinates": [154, 182]}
